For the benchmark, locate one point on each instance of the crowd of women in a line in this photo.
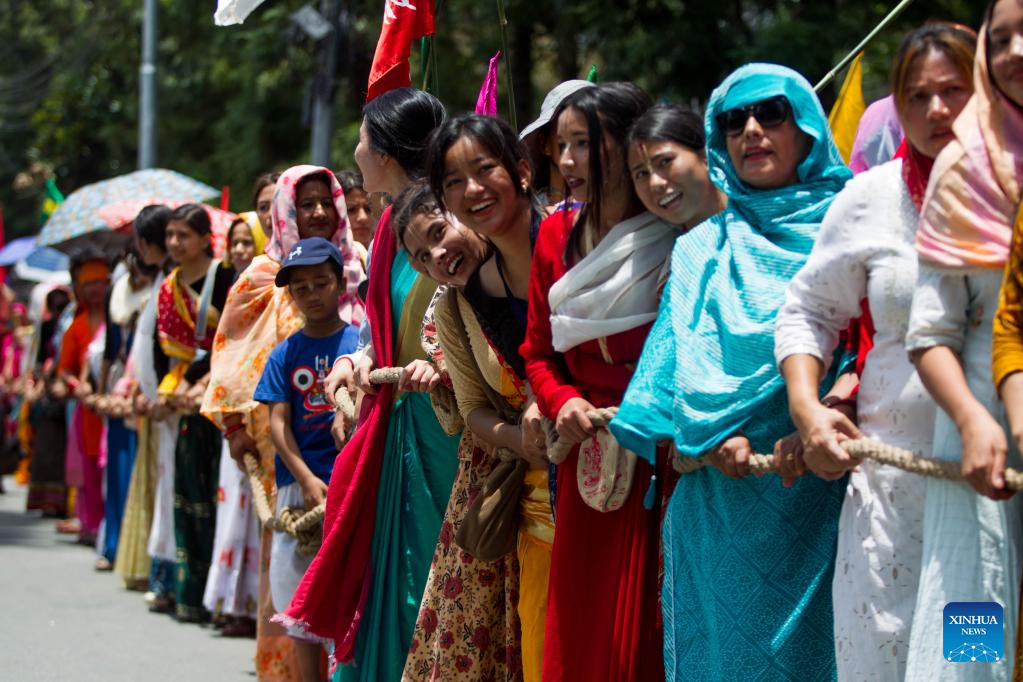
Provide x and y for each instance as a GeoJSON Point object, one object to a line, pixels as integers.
{"type": "Point", "coordinates": [105, 393]}
{"type": "Point", "coordinates": [723, 281]}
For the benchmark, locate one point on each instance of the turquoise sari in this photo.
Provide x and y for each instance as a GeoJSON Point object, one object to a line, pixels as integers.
{"type": "Point", "coordinates": [417, 474]}
{"type": "Point", "coordinates": [747, 563]}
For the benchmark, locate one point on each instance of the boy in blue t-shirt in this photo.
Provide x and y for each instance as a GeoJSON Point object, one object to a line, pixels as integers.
{"type": "Point", "coordinates": [300, 417]}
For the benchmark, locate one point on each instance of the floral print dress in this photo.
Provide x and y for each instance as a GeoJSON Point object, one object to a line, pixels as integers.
{"type": "Point", "coordinates": [468, 625]}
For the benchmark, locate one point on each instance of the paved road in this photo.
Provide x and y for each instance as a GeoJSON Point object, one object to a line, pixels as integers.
{"type": "Point", "coordinates": [62, 621]}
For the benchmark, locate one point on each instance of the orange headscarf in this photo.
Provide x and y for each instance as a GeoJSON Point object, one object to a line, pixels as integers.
{"type": "Point", "coordinates": [93, 271]}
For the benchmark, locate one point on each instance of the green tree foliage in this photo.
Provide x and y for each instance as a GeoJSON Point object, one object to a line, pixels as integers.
{"type": "Point", "coordinates": [233, 101]}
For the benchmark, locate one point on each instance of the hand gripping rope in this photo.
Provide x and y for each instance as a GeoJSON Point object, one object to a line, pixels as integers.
{"type": "Point", "coordinates": [304, 526]}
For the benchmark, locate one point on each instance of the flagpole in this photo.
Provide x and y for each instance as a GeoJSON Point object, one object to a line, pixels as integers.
{"type": "Point", "coordinates": [425, 55]}
{"type": "Point", "coordinates": [147, 87]}
{"type": "Point", "coordinates": [427, 49]}
{"type": "Point", "coordinates": [507, 64]}
{"type": "Point", "coordinates": [863, 43]}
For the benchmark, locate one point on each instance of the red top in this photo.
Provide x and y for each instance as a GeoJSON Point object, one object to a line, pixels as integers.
{"type": "Point", "coordinates": [614, 554]}
{"type": "Point", "coordinates": [580, 372]}
{"type": "Point", "coordinates": [73, 351]}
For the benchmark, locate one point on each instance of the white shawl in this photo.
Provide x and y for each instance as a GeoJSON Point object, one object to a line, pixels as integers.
{"type": "Point", "coordinates": [126, 302]}
{"type": "Point", "coordinates": [142, 347]}
{"type": "Point", "coordinates": [615, 287]}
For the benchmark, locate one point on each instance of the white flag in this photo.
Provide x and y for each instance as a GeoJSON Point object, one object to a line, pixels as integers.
{"type": "Point", "coordinates": [234, 11]}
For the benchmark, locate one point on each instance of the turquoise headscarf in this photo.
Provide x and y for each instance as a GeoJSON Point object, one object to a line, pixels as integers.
{"type": "Point", "coordinates": [708, 370]}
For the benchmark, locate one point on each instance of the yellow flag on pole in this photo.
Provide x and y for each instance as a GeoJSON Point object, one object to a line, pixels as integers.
{"type": "Point", "coordinates": [849, 107]}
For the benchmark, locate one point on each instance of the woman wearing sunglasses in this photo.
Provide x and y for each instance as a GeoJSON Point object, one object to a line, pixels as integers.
{"type": "Point", "coordinates": [865, 250]}
{"type": "Point", "coordinates": [747, 562]}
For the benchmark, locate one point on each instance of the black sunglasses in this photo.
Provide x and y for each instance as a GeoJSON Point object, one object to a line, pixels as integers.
{"type": "Point", "coordinates": [769, 113]}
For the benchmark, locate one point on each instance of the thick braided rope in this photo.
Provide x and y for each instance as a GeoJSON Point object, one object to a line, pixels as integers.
{"type": "Point", "coordinates": [111, 405]}
{"type": "Point", "coordinates": [866, 448]}
{"type": "Point", "coordinates": [306, 527]}
{"type": "Point", "coordinates": [443, 399]}
{"type": "Point", "coordinates": [557, 450]}
{"type": "Point", "coordinates": [863, 448]}
{"type": "Point", "coordinates": [118, 406]}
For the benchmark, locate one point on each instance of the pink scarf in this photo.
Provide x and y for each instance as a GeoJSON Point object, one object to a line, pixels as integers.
{"type": "Point", "coordinates": [285, 233]}
{"type": "Point", "coordinates": [967, 216]}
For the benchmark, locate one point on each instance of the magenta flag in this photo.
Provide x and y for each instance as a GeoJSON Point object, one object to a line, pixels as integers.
{"type": "Point", "coordinates": [486, 104]}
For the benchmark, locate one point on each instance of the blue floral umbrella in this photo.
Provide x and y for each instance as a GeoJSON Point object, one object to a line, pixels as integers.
{"type": "Point", "coordinates": [44, 265]}
{"type": "Point", "coordinates": [77, 218]}
{"type": "Point", "coordinates": [17, 250]}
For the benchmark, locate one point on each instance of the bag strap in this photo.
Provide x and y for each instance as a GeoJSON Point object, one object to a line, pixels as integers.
{"type": "Point", "coordinates": [205, 296]}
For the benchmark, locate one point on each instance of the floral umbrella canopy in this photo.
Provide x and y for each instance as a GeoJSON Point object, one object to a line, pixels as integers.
{"type": "Point", "coordinates": [121, 215]}
{"type": "Point", "coordinates": [78, 218]}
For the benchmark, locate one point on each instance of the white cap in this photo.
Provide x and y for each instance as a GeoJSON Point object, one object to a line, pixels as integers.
{"type": "Point", "coordinates": [551, 103]}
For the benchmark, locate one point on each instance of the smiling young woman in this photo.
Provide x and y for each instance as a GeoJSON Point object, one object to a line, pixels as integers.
{"type": "Point", "coordinates": [189, 302]}
{"type": "Point", "coordinates": [668, 166]}
{"type": "Point", "coordinates": [593, 293]}
{"type": "Point", "coordinates": [479, 170]}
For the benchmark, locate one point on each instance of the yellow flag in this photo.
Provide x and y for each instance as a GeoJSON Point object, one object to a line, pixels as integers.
{"type": "Point", "coordinates": [849, 107]}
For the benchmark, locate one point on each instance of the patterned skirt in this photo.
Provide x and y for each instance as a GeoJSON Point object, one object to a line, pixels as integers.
{"type": "Point", "coordinates": [47, 490]}
{"type": "Point", "coordinates": [196, 464]}
{"type": "Point", "coordinates": [232, 587]}
{"type": "Point", "coordinates": [468, 625]}
{"type": "Point", "coordinates": [132, 562]}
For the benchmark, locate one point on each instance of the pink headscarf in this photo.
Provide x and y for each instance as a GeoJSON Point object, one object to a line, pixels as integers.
{"type": "Point", "coordinates": [283, 214]}
{"type": "Point", "coordinates": [877, 136]}
{"type": "Point", "coordinates": [974, 189]}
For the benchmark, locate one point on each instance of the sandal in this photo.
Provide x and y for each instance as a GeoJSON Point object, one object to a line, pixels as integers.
{"type": "Point", "coordinates": [69, 527]}
{"type": "Point", "coordinates": [161, 604]}
{"type": "Point", "coordinates": [103, 565]}
{"type": "Point", "coordinates": [136, 584]}
{"type": "Point", "coordinates": [240, 627]}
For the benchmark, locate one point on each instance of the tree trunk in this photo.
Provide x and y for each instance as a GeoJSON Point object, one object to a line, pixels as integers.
{"type": "Point", "coordinates": [567, 56]}
{"type": "Point", "coordinates": [522, 71]}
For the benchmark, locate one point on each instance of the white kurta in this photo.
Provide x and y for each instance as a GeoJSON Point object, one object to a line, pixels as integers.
{"type": "Point", "coordinates": [865, 250]}
{"type": "Point", "coordinates": [161, 543]}
{"type": "Point", "coordinates": [971, 543]}
{"type": "Point", "coordinates": [232, 586]}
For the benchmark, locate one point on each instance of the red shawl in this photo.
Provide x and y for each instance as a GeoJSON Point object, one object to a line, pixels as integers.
{"type": "Point", "coordinates": [916, 171]}
{"type": "Point", "coordinates": [329, 601]}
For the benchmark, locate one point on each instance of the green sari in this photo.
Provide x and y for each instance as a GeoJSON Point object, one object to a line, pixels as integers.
{"type": "Point", "coordinates": [417, 474]}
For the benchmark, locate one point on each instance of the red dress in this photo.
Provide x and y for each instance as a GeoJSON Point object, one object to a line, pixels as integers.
{"type": "Point", "coordinates": [603, 613]}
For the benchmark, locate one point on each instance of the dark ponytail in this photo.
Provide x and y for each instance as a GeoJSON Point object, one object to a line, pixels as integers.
{"type": "Point", "coordinates": [399, 123]}
{"type": "Point", "coordinates": [151, 225]}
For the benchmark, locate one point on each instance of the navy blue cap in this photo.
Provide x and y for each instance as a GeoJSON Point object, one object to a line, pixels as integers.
{"type": "Point", "coordinates": [312, 251]}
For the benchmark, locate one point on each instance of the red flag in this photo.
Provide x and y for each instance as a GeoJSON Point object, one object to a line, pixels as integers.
{"type": "Point", "coordinates": [404, 21]}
